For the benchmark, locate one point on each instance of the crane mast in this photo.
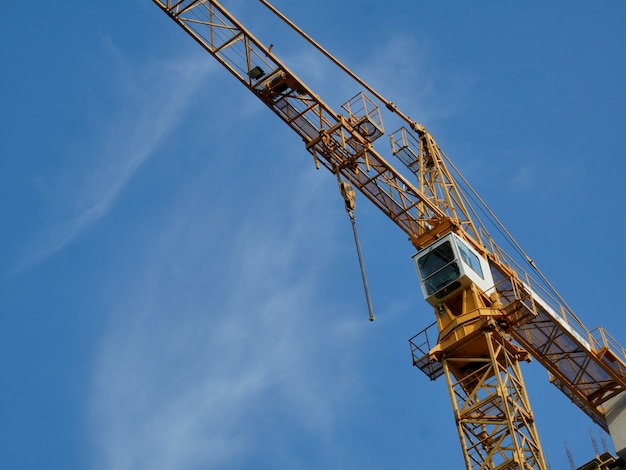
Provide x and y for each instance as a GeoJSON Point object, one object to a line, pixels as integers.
{"type": "Point", "coordinates": [490, 313]}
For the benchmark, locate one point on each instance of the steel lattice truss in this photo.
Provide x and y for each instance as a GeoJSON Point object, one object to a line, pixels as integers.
{"type": "Point", "coordinates": [341, 143]}
{"type": "Point", "coordinates": [492, 410]}
{"type": "Point", "coordinates": [588, 367]}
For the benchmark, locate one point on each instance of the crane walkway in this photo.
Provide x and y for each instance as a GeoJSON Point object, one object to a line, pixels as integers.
{"type": "Point", "coordinates": [588, 367]}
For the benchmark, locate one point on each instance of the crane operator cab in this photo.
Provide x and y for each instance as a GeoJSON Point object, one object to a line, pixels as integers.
{"type": "Point", "coordinates": [448, 266]}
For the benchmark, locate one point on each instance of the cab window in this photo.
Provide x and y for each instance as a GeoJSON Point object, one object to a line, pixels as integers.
{"type": "Point", "coordinates": [435, 259]}
{"type": "Point", "coordinates": [470, 259]}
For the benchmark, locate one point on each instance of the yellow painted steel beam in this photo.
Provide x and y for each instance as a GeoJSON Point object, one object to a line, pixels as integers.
{"type": "Point", "coordinates": [334, 142]}
{"type": "Point", "coordinates": [588, 368]}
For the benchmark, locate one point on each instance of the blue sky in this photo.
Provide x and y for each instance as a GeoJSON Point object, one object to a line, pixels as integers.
{"type": "Point", "coordinates": [179, 286]}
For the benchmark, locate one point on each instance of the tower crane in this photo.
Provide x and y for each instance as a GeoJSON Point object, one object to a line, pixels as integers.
{"type": "Point", "coordinates": [491, 314]}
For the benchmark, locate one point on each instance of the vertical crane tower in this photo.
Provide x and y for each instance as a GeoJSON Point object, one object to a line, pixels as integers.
{"type": "Point", "coordinates": [490, 313]}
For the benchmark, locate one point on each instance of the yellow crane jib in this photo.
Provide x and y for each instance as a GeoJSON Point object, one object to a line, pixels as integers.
{"type": "Point", "coordinates": [490, 313]}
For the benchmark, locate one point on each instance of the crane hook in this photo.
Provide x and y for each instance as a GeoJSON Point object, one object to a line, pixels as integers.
{"type": "Point", "coordinates": [349, 197]}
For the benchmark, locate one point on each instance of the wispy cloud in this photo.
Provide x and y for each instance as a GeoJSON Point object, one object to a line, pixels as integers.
{"type": "Point", "coordinates": [142, 104]}
{"type": "Point", "coordinates": [405, 72]}
{"type": "Point", "coordinates": [221, 345]}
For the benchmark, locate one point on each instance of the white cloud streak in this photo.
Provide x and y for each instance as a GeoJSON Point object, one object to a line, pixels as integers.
{"type": "Point", "coordinates": [212, 358]}
{"type": "Point", "coordinates": [150, 101]}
